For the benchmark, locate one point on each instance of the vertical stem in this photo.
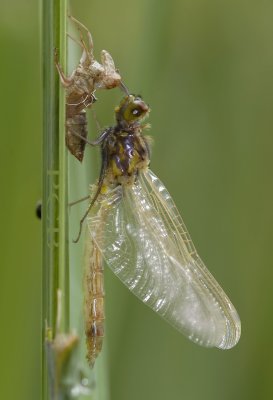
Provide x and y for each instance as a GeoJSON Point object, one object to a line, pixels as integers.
{"type": "Point", "coordinates": [56, 268]}
{"type": "Point", "coordinates": [55, 273]}
{"type": "Point", "coordinates": [63, 184]}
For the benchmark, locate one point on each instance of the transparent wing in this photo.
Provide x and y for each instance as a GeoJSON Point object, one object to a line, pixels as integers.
{"type": "Point", "coordinates": [144, 241]}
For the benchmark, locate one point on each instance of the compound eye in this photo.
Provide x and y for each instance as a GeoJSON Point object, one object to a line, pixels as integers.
{"type": "Point", "coordinates": [136, 112]}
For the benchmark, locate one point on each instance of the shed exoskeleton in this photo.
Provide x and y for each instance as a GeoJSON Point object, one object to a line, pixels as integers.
{"type": "Point", "coordinates": [80, 88]}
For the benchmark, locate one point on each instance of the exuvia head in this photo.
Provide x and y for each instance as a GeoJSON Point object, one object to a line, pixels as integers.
{"type": "Point", "coordinates": [131, 111]}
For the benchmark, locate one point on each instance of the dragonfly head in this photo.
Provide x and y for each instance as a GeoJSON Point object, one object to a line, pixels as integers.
{"type": "Point", "coordinates": [131, 111]}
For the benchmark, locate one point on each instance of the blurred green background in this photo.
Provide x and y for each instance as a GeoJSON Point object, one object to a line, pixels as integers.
{"type": "Point", "coordinates": [206, 69]}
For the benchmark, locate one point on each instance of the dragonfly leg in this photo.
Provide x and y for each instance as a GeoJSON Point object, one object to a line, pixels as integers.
{"type": "Point", "coordinates": [65, 80]}
{"type": "Point", "coordinates": [73, 203]}
{"type": "Point", "coordinates": [83, 138]}
{"type": "Point", "coordinates": [89, 36]}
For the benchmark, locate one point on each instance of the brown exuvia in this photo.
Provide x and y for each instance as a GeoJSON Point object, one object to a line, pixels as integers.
{"type": "Point", "coordinates": [80, 89]}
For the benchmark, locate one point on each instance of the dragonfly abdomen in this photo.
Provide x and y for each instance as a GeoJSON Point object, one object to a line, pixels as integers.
{"type": "Point", "coordinates": [94, 304]}
{"type": "Point", "coordinates": [76, 129]}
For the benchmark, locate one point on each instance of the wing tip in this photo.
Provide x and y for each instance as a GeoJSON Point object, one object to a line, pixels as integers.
{"type": "Point", "coordinates": [232, 336]}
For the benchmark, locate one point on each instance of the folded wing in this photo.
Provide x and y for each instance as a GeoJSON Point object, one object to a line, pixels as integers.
{"type": "Point", "coordinates": [144, 241]}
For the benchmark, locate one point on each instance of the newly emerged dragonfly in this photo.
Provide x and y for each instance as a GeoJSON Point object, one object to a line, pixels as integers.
{"type": "Point", "coordinates": [80, 89]}
{"type": "Point", "coordinates": [135, 227]}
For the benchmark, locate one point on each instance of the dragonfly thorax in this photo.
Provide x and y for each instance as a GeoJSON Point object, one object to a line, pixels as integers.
{"type": "Point", "coordinates": [127, 154]}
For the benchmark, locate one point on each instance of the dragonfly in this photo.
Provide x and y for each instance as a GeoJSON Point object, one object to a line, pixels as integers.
{"type": "Point", "coordinates": [80, 88]}
{"type": "Point", "coordinates": [134, 227]}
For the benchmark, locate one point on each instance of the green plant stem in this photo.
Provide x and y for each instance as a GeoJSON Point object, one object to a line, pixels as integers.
{"type": "Point", "coordinates": [63, 351]}
{"type": "Point", "coordinates": [55, 273]}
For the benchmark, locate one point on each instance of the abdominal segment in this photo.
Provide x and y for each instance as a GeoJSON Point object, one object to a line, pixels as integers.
{"type": "Point", "coordinates": [76, 132]}
{"type": "Point", "coordinates": [94, 303]}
